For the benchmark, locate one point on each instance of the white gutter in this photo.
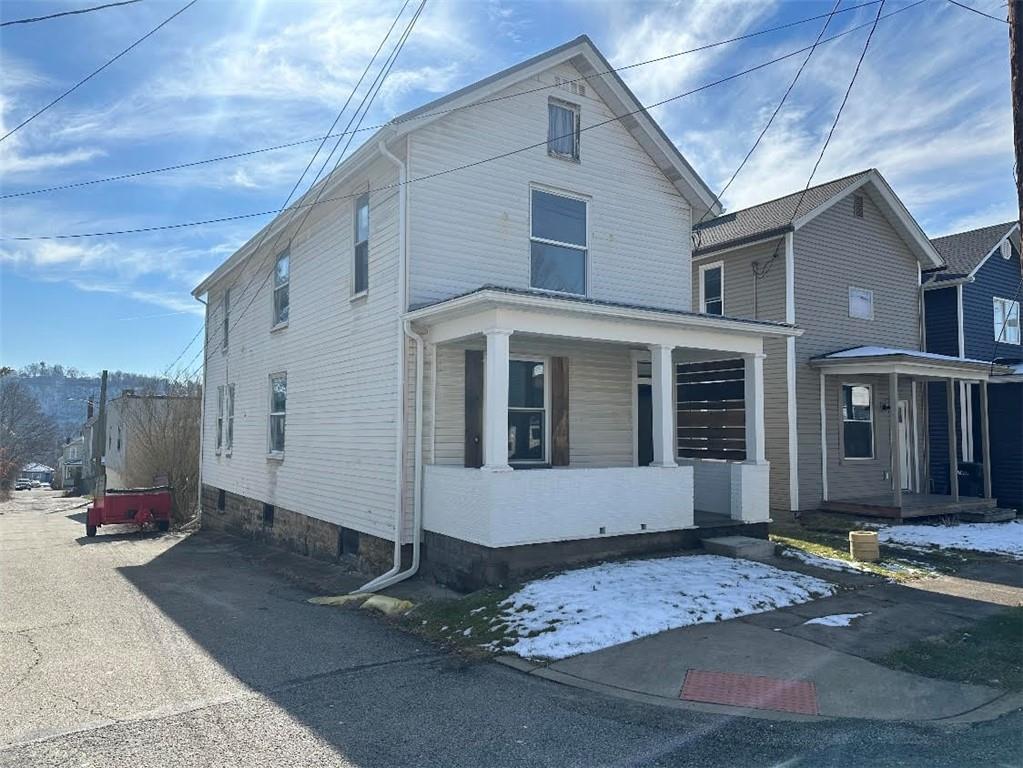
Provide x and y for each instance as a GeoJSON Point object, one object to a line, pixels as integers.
{"type": "Point", "coordinates": [202, 402]}
{"type": "Point", "coordinates": [395, 574]}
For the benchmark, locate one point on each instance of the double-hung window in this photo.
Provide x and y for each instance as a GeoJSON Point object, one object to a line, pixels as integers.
{"type": "Point", "coordinates": [712, 288]}
{"type": "Point", "coordinates": [220, 418]}
{"type": "Point", "coordinates": [229, 438]}
{"type": "Point", "coordinates": [278, 410]}
{"type": "Point", "coordinates": [360, 267]}
{"type": "Point", "coordinates": [527, 412]}
{"type": "Point", "coordinates": [558, 242]}
{"type": "Point", "coordinates": [562, 129]}
{"type": "Point", "coordinates": [857, 422]}
{"type": "Point", "coordinates": [282, 280]}
{"type": "Point", "coordinates": [1006, 321]}
{"type": "Point", "coordinates": [226, 309]}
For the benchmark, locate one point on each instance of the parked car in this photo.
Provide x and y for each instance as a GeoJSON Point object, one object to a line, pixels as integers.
{"type": "Point", "coordinates": [36, 484]}
{"type": "Point", "coordinates": [23, 484]}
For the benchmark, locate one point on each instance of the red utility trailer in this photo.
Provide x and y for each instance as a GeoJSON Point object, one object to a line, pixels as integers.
{"type": "Point", "coordinates": [130, 506]}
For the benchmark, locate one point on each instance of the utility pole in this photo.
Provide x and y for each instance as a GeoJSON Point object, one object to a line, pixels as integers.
{"type": "Point", "coordinates": [1016, 75]}
{"type": "Point", "coordinates": [99, 441]}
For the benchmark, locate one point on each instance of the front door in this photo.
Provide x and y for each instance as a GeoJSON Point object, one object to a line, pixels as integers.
{"type": "Point", "coordinates": [905, 458]}
{"type": "Point", "coordinates": [644, 425]}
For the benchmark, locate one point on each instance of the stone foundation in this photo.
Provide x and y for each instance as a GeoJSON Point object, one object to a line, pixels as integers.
{"type": "Point", "coordinates": [295, 532]}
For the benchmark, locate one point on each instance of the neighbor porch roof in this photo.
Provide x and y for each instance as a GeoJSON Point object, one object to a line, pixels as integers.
{"type": "Point", "coordinates": [911, 362]}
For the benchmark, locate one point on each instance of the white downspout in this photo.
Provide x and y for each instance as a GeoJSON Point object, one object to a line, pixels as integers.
{"type": "Point", "coordinates": [202, 403]}
{"type": "Point", "coordinates": [395, 574]}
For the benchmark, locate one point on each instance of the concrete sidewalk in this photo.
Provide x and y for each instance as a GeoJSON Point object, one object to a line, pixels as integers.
{"type": "Point", "coordinates": [837, 659]}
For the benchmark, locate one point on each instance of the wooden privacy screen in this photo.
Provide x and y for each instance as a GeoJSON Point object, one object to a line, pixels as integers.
{"type": "Point", "coordinates": [711, 414]}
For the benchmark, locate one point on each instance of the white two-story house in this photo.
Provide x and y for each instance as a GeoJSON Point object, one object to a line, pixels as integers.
{"type": "Point", "coordinates": [469, 350]}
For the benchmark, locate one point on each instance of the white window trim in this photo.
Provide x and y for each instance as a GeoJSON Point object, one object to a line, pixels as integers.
{"type": "Point", "coordinates": [842, 421]}
{"type": "Point", "coordinates": [1010, 305]}
{"type": "Point", "coordinates": [355, 243]}
{"type": "Point", "coordinates": [575, 246]}
{"type": "Point", "coordinates": [546, 460]}
{"type": "Point", "coordinates": [225, 308]}
{"type": "Point", "coordinates": [274, 325]}
{"type": "Point", "coordinates": [270, 452]}
{"type": "Point", "coordinates": [703, 297]}
{"type": "Point", "coordinates": [219, 436]}
{"type": "Point", "coordinates": [576, 110]}
{"type": "Point", "coordinates": [861, 290]}
{"type": "Point", "coordinates": [229, 421]}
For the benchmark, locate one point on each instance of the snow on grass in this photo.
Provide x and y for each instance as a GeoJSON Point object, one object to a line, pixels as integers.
{"type": "Point", "coordinates": [818, 561]}
{"type": "Point", "coordinates": [997, 538]}
{"type": "Point", "coordinates": [592, 608]}
{"type": "Point", "coordinates": [836, 619]}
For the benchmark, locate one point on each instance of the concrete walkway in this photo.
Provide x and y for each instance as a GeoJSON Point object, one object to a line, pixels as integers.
{"type": "Point", "coordinates": [837, 659]}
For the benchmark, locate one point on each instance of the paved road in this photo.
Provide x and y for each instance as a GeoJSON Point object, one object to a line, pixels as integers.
{"type": "Point", "coordinates": [172, 651]}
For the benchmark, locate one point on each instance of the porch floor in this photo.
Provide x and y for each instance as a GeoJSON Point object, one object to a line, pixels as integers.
{"type": "Point", "coordinates": [913, 505]}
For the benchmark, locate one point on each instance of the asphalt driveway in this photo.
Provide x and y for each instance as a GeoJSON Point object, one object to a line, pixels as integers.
{"type": "Point", "coordinates": [182, 651]}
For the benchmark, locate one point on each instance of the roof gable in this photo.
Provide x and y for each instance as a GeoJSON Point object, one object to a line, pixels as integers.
{"type": "Point", "coordinates": [966, 252]}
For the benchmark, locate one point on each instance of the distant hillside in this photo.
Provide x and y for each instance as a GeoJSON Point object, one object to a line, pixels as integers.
{"type": "Point", "coordinates": [62, 392]}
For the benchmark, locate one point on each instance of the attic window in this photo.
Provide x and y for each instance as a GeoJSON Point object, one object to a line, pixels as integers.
{"type": "Point", "coordinates": [858, 206]}
{"type": "Point", "coordinates": [562, 129]}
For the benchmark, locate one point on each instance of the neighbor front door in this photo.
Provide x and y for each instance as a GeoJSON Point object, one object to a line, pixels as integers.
{"type": "Point", "coordinates": [905, 449]}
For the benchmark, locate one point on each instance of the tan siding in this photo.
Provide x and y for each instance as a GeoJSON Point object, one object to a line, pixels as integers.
{"type": "Point", "coordinates": [471, 228]}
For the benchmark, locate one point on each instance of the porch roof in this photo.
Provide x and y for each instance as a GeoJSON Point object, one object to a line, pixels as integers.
{"type": "Point", "coordinates": [531, 311]}
{"type": "Point", "coordinates": [910, 362]}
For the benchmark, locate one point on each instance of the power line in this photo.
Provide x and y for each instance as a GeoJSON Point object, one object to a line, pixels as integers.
{"type": "Point", "coordinates": [67, 13]}
{"type": "Point", "coordinates": [978, 12]}
{"type": "Point", "coordinates": [95, 72]}
{"type": "Point", "coordinates": [473, 164]}
{"type": "Point", "coordinates": [436, 113]}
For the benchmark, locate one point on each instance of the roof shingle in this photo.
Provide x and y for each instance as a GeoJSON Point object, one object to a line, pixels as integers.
{"type": "Point", "coordinates": [963, 251]}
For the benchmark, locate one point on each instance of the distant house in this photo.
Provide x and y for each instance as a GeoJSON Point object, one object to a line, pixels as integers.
{"type": "Point", "coordinates": [845, 408]}
{"type": "Point", "coordinates": [138, 429]}
{"type": "Point", "coordinates": [972, 310]}
{"type": "Point", "coordinates": [40, 472]}
{"type": "Point", "coordinates": [69, 465]}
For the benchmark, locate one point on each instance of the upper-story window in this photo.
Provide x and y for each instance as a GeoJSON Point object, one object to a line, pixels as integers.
{"type": "Point", "coordinates": [563, 129]}
{"type": "Point", "coordinates": [360, 267]}
{"type": "Point", "coordinates": [226, 308]}
{"type": "Point", "coordinates": [278, 411]}
{"type": "Point", "coordinates": [220, 418]}
{"type": "Point", "coordinates": [558, 244]}
{"type": "Point", "coordinates": [282, 280]}
{"type": "Point", "coordinates": [712, 288]}
{"type": "Point", "coordinates": [118, 437]}
{"type": "Point", "coordinates": [861, 303]}
{"type": "Point", "coordinates": [1007, 321]}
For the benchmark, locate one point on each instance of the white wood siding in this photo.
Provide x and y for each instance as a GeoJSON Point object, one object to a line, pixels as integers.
{"type": "Point", "coordinates": [340, 357]}
{"type": "Point", "coordinates": [471, 227]}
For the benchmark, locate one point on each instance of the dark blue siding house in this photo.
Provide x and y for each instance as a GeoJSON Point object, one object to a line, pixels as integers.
{"type": "Point", "coordinates": [972, 310]}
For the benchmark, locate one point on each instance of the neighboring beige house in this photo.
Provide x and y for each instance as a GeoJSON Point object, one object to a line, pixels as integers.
{"type": "Point", "coordinates": [477, 366]}
{"type": "Point", "coordinates": [848, 394]}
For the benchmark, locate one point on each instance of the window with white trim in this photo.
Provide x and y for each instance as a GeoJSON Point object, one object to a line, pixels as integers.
{"type": "Point", "coordinates": [861, 303]}
{"type": "Point", "coordinates": [527, 412]}
{"type": "Point", "coordinates": [282, 281]}
{"type": "Point", "coordinates": [712, 288]}
{"type": "Point", "coordinates": [360, 266]}
{"type": "Point", "coordinates": [278, 411]}
{"type": "Point", "coordinates": [225, 305]}
{"type": "Point", "coordinates": [558, 242]}
{"type": "Point", "coordinates": [220, 418]}
{"type": "Point", "coordinates": [229, 438]}
{"type": "Point", "coordinates": [562, 129]}
{"type": "Point", "coordinates": [857, 422]}
{"type": "Point", "coordinates": [1006, 320]}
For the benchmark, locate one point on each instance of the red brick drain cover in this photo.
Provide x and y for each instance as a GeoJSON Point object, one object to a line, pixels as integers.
{"type": "Point", "coordinates": [736, 690]}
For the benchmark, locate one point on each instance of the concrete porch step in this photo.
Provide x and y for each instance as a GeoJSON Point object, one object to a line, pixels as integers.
{"type": "Point", "coordinates": [740, 546]}
{"type": "Point", "coordinates": [987, 515]}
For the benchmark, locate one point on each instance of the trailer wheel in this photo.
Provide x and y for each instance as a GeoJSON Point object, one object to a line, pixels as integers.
{"type": "Point", "coordinates": [90, 530]}
{"type": "Point", "coordinates": [163, 525]}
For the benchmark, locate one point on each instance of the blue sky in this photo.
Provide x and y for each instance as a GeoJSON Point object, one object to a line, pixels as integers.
{"type": "Point", "coordinates": [930, 109]}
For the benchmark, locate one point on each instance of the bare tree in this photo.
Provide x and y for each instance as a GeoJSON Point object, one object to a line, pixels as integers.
{"type": "Point", "coordinates": [162, 444]}
{"type": "Point", "coordinates": [26, 433]}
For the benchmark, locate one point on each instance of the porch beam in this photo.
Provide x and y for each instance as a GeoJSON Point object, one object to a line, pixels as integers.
{"type": "Point", "coordinates": [896, 438]}
{"type": "Point", "coordinates": [661, 380]}
{"type": "Point", "coordinates": [985, 439]}
{"type": "Point", "coordinates": [754, 393]}
{"type": "Point", "coordinates": [953, 461]}
{"type": "Point", "coordinates": [495, 401]}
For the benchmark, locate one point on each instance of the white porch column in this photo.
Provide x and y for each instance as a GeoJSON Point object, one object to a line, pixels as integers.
{"type": "Point", "coordinates": [754, 388]}
{"type": "Point", "coordinates": [495, 402]}
{"type": "Point", "coordinates": [661, 369]}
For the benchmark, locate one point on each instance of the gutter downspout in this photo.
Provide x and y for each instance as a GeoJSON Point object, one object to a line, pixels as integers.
{"type": "Point", "coordinates": [395, 574]}
{"type": "Point", "coordinates": [202, 407]}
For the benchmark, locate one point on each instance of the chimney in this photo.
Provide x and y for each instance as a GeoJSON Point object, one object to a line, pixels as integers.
{"type": "Point", "coordinates": [88, 409]}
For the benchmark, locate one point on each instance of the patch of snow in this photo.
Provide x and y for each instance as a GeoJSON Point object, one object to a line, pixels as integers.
{"type": "Point", "coordinates": [997, 538]}
{"type": "Point", "coordinates": [819, 561]}
{"type": "Point", "coordinates": [592, 608]}
{"type": "Point", "coordinates": [836, 619]}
